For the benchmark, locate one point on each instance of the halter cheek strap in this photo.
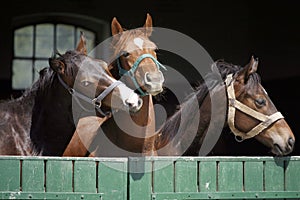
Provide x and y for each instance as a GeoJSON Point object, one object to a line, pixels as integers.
{"type": "Point", "coordinates": [97, 102]}
{"type": "Point", "coordinates": [134, 67]}
{"type": "Point", "coordinates": [233, 104]}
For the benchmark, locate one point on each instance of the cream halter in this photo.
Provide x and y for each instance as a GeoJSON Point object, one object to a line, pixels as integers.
{"type": "Point", "coordinates": [233, 104]}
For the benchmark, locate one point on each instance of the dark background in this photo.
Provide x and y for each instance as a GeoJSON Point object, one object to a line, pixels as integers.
{"type": "Point", "coordinates": [229, 30]}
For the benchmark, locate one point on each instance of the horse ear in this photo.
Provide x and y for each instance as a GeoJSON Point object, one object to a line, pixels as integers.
{"type": "Point", "coordinates": [116, 27]}
{"type": "Point", "coordinates": [148, 25]}
{"type": "Point", "coordinates": [57, 65]}
{"type": "Point", "coordinates": [81, 47]}
{"type": "Point", "coordinates": [249, 69]}
{"type": "Point", "coordinates": [252, 67]}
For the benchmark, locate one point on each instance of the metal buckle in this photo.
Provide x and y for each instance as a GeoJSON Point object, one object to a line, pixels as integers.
{"type": "Point", "coordinates": [71, 91]}
{"type": "Point", "coordinates": [96, 103]}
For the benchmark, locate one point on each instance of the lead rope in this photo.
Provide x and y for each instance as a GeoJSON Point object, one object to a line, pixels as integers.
{"type": "Point", "coordinates": [233, 104]}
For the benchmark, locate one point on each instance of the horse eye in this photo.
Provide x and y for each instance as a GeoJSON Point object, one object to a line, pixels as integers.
{"type": "Point", "coordinates": [260, 102]}
{"type": "Point", "coordinates": [85, 83]}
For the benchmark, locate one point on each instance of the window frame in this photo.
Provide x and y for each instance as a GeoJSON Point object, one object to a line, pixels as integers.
{"type": "Point", "coordinates": [101, 29]}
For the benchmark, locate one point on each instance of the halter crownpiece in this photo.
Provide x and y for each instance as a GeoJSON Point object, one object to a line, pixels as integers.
{"type": "Point", "coordinates": [134, 67]}
{"type": "Point", "coordinates": [233, 104]}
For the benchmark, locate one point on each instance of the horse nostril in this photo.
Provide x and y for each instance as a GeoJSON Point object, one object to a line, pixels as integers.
{"type": "Point", "coordinates": [140, 102]}
{"type": "Point", "coordinates": [291, 142]}
{"type": "Point", "coordinates": [148, 78]}
{"type": "Point", "coordinates": [128, 104]}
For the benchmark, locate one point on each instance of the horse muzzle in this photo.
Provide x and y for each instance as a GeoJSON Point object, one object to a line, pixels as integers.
{"type": "Point", "coordinates": [154, 82]}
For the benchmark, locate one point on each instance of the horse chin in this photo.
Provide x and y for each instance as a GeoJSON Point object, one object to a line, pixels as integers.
{"type": "Point", "coordinates": [276, 150]}
{"type": "Point", "coordinates": [137, 108]}
{"type": "Point", "coordinates": [280, 151]}
{"type": "Point", "coordinates": [155, 91]}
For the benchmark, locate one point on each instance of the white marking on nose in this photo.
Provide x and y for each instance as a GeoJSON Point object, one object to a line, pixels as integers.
{"type": "Point", "coordinates": [138, 42]}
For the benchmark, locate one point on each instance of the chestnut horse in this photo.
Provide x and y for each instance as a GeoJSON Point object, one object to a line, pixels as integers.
{"type": "Point", "coordinates": [248, 112]}
{"type": "Point", "coordinates": [135, 63]}
{"type": "Point", "coordinates": [75, 85]}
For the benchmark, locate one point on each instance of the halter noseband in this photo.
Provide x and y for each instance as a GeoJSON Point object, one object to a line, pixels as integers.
{"type": "Point", "coordinates": [233, 104]}
{"type": "Point", "coordinates": [97, 101]}
{"type": "Point", "coordinates": [134, 67]}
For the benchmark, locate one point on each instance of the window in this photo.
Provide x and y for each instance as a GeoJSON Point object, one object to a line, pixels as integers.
{"type": "Point", "coordinates": [36, 41]}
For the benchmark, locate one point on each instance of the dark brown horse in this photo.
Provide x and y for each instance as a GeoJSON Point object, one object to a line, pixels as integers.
{"type": "Point", "coordinates": [135, 63]}
{"type": "Point", "coordinates": [15, 122]}
{"type": "Point", "coordinates": [248, 113]}
{"type": "Point", "coordinates": [75, 85]}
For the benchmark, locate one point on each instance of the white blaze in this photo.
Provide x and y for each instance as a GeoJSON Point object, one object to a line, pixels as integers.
{"type": "Point", "coordinates": [138, 42]}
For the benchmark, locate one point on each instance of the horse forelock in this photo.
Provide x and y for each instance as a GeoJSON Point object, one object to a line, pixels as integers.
{"type": "Point", "coordinates": [124, 38]}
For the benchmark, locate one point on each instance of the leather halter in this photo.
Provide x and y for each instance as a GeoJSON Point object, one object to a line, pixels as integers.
{"type": "Point", "coordinates": [97, 101]}
{"type": "Point", "coordinates": [134, 67]}
{"type": "Point", "coordinates": [233, 104]}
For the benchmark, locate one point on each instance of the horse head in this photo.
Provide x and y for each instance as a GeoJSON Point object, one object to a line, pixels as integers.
{"type": "Point", "coordinates": [251, 112]}
{"type": "Point", "coordinates": [136, 57]}
{"type": "Point", "coordinates": [89, 79]}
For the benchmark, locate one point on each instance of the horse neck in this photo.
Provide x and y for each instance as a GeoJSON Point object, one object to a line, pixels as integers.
{"type": "Point", "coordinates": [145, 117]}
{"type": "Point", "coordinates": [52, 121]}
{"type": "Point", "coordinates": [141, 123]}
{"type": "Point", "coordinates": [191, 132]}
{"type": "Point", "coordinates": [211, 124]}
{"type": "Point", "coordinates": [129, 134]}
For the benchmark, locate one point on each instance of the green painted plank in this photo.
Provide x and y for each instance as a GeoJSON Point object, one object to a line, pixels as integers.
{"type": "Point", "coordinates": [230, 176]}
{"type": "Point", "coordinates": [208, 176]}
{"type": "Point", "coordinates": [112, 179]}
{"type": "Point", "coordinates": [139, 178]}
{"type": "Point", "coordinates": [226, 195]}
{"type": "Point", "coordinates": [163, 176]}
{"type": "Point", "coordinates": [186, 176]}
{"type": "Point", "coordinates": [274, 175]}
{"type": "Point", "coordinates": [59, 176]}
{"type": "Point", "coordinates": [9, 175]}
{"type": "Point", "coordinates": [33, 175]}
{"type": "Point", "coordinates": [52, 196]}
{"type": "Point", "coordinates": [254, 176]}
{"type": "Point", "coordinates": [292, 176]}
{"type": "Point", "coordinates": [85, 176]}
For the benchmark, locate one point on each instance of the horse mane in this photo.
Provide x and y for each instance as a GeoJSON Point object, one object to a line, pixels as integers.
{"type": "Point", "coordinates": [15, 123]}
{"type": "Point", "coordinates": [211, 80]}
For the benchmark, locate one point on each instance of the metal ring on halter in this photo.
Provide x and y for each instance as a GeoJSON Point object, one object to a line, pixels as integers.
{"type": "Point", "coordinates": [239, 138]}
{"type": "Point", "coordinates": [71, 91]}
{"type": "Point", "coordinates": [96, 103]}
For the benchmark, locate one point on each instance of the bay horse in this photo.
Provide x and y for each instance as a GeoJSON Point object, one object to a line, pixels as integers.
{"type": "Point", "coordinates": [75, 85]}
{"type": "Point", "coordinates": [135, 63]}
{"type": "Point", "coordinates": [247, 112]}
